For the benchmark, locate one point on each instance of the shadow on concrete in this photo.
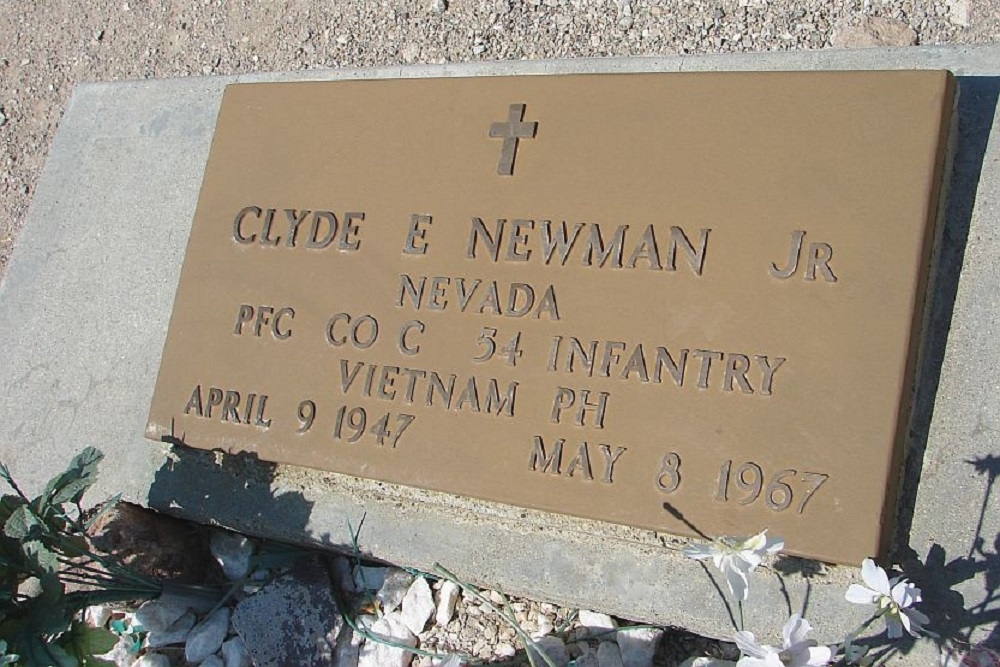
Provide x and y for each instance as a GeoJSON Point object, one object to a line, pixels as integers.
{"type": "Point", "coordinates": [951, 619]}
{"type": "Point", "coordinates": [235, 490]}
{"type": "Point", "coordinates": [977, 107]}
{"type": "Point", "coordinates": [937, 575]}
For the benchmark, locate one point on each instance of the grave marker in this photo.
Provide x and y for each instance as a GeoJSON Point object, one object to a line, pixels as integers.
{"type": "Point", "coordinates": [651, 298]}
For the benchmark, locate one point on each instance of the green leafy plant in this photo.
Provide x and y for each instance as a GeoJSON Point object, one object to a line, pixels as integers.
{"type": "Point", "coordinates": [49, 573]}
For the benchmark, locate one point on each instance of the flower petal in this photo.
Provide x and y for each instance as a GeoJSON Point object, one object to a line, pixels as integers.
{"type": "Point", "coordinates": [819, 656]}
{"type": "Point", "coordinates": [737, 583]}
{"type": "Point", "coordinates": [858, 594]}
{"type": "Point", "coordinates": [699, 551]}
{"type": "Point", "coordinates": [796, 631]}
{"type": "Point", "coordinates": [905, 594]}
{"type": "Point", "coordinates": [774, 545]}
{"type": "Point", "coordinates": [747, 561]}
{"type": "Point", "coordinates": [707, 662]}
{"type": "Point", "coordinates": [749, 661]}
{"type": "Point", "coordinates": [748, 645]}
{"type": "Point", "coordinates": [874, 576]}
{"type": "Point", "coordinates": [755, 542]}
{"type": "Point", "coordinates": [913, 621]}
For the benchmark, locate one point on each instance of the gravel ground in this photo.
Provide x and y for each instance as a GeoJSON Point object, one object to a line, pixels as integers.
{"type": "Point", "coordinates": [46, 46]}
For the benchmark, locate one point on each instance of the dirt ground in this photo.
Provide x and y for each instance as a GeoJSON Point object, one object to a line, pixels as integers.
{"type": "Point", "coordinates": [47, 46]}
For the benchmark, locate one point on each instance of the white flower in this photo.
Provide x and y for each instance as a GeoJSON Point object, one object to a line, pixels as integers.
{"type": "Point", "coordinates": [894, 598]}
{"type": "Point", "coordinates": [736, 557]}
{"type": "Point", "coordinates": [796, 650]}
{"type": "Point", "coordinates": [707, 662]}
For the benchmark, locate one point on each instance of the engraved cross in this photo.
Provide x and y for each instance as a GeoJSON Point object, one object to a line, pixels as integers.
{"type": "Point", "coordinates": [511, 131]}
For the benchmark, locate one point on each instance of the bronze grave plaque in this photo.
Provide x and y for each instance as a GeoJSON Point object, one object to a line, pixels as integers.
{"type": "Point", "coordinates": [588, 294]}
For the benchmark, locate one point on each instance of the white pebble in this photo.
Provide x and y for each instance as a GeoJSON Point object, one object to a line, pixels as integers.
{"type": "Point", "coordinates": [544, 627]}
{"type": "Point", "coordinates": [232, 552]}
{"type": "Point", "coordinates": [447, 599]}
{"type": "Point", "coordinates": [177, 633]}
{"type": "Point", "coordinates": [638, 646]}
{"type": "Point", "coordinates": [206, 637]}
{"type": "Point", "coordinates": [235, 653]}
{"type": "Point", "coordinates": [96, 616]}
{"type": "Point", "coordinates": [505, 650]}
{"type": "Point", "coordinates": [418, 605]}
{"type": "Point", "coordinates": [596, 622]}
{"type": "Point", "coordinates": [158, 615]}
{"type": "Point", "coordinates": [152, 660]}
{"type": "Point", "coordinates": [393, 590]}
{"type": "Point", "coordinates": [608, 655]}
{"type": "Point", "coordinates": [374, 654]}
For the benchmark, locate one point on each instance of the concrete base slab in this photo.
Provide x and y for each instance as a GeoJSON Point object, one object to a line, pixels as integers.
{"type": "Point", "coordinates": [85, 304]}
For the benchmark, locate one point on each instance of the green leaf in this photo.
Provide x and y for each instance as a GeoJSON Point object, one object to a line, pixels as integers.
{"type": "Point", "coordinates": [35, 650]}
{"type": "Point", "coordinates": [40, 558]}
{"type": "Point", "coordinates": [8, 504]}
{"type": "Point", "coordinates": [85, 643]}
{"type": "Point", "coordinates": [23, 524]}
{"type": "Point", "coordinates": [48, 614]}
{"type": "Point", "coordinates": [70, 485]}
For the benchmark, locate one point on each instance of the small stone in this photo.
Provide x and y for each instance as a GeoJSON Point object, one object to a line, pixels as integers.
{"type": "Point", "coordinates": [638, 646]}
{"type": "Point", "coordinates": [438, 7]}
{"type": "Point", "coordinates": [374, 654]}
{"type": "Point", "coordinates": [96, 616]}
{"type": "Point", "coordinates": [588, 659]}
{"type": "Point", "coordinates": [418, 605]}
{"type": "Point", "coordinates": [153, 660]}
{"type": "Point", "coordinates": [554, 648]}
{"type": "Point", "coordinates": [348, 649]}
{"type": "Point", "coordinates": [235, 653]}
{"type": "Point", "coordinates": [120, 655]}
{"type": "Point", "coordinates": [447, 599]}
{"type": "Point", "coordinates": [369, 578]}
{"type": "Point", "coordinates": [478, 49]}
{"type": "Point", "coordinates": [505, 650]}
{"type": "Point", "coordinates": [596, 623]}
{"type": "Point", "coordinates": [958, 12]}
{"type": "Point", "coordinates": [232, 552]}
{"type": "Point", "coordinates": [212, 661]}
{"type": "Point", "coordinates": [177, 633]}
{"type": "Point", "coordinates": [609, 655]}
{"type": "Point", "coordinates": [206, 637]}
{"type": "Point", "coordinates": [3, 118]}
{"type": "Point", "coordinates": [706, 662]}
{"type": "Point", "coordinates": [544, 624]}
{"type": "Point", "coordinates": [393, 590]}
{"type": "Point", "coordinates": [293, 620]}
{"type": "Point", "coordinates": [872, 31]}
{"type": "Point", "coordinates": [159, 614]}
{"type": "Point", "coordinates": [626, 22]}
